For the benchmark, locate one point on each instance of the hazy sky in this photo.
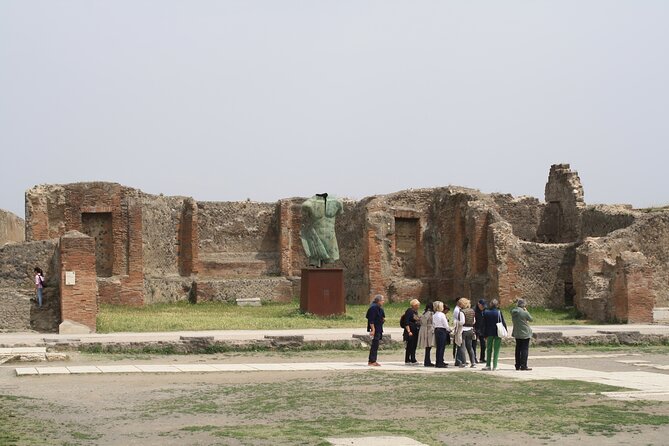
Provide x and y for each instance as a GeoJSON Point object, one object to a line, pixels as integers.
{"type": "Point", "coordinates": [228, 100]}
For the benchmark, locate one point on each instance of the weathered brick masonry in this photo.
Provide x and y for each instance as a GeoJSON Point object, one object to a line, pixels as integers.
{"type": "Point", "coordinates": [78, 299]}
{"type": "Point", "coordinates": [611, 262]}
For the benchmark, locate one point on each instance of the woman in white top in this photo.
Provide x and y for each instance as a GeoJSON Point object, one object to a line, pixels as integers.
{"type": "Point", "coordinates": [441, 330]}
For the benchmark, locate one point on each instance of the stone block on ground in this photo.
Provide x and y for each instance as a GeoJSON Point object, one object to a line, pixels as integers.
{"type": "Point", "coordinates": [71, 327]}
{"type": "Point", "coordinates": [249, 302]}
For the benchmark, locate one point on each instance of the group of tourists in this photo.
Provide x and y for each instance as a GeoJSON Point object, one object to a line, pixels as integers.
{"type": "Point", "coordinates": [482, 327]}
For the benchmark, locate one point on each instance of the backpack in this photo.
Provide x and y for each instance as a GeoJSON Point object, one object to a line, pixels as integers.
{"type": "Point", "coordinates": [469, 317]}
{"type": "Point", "coordinates": [403, 322]}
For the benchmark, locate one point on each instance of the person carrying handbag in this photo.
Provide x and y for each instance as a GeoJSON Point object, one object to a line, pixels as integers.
{"type": "Point", "coordinates": [491, 318]}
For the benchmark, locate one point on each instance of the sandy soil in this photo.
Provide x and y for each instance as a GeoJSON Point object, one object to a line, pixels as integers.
{"type": "Point", "coordinates": [109, 407]}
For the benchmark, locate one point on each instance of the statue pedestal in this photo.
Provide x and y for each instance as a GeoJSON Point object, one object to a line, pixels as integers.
{"type": "Point", "coordinates": [322, 291]}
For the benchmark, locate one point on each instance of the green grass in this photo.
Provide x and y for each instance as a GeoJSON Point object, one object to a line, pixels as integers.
{"type": "Point", "coordinates": [183, 316]}
{"type": "Point", "coordinates": [305, 411]}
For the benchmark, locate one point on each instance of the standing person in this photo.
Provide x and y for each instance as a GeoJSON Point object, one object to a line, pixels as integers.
{"type": "Point", "coordinates": [491, 317]}
{"type": "Point", "coordinates": [441, 329]}
{"type": "Point", "coordinates": [469, 318]}
{"type": "Point", "coordinates": [411, 331]}
{"type": "Point", "coordinates": [478, 328]}
{"type": "Point", "coordinates": [522, 332]}
{"type": "Point", "coordinates": [39, 284]}
{"type": "Point", "coordinates": [375, 319]}
{"type": "Point", "coordinates": [458, 355]}
{"type": "Point", "coordinates": [426, 333]}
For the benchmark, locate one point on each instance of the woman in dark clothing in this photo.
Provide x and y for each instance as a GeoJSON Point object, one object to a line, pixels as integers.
{"type": "Point", "coordinates": [478, 328]}
{"type": "Point", "coordinates": [491, 317]}
{"type": "Point", "coordinates": [412, 321]}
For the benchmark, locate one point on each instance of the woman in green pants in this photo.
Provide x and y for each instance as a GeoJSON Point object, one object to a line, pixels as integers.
{"type": "Point", "coordinates": [491, 317]}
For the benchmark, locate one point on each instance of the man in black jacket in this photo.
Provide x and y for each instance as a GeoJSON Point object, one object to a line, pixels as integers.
{"type": "Point", "coordinates": [375, 319]}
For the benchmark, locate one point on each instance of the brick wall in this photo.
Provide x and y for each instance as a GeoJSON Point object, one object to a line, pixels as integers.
{"type": "Point", "coordinates": [78, 301]}
{"type": "Point", "coordinates": [110, 213]}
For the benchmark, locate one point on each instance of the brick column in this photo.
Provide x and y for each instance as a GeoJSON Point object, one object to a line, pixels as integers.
{"type": "Point", "coordinates": [285, 237]}
{"type": "Point", "coordinates": [78, 297]}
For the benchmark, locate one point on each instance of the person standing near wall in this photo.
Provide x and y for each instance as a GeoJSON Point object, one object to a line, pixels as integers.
{"type": "Point", "coordinates": [522, 332]}
{"type": "Point", "coordinates": [441, 329]}
{"type": "Point", "coordinates": [39, 284]}
{"type": "Point", "coordinates": [411, 329]}
{"type": "Point", "coordinates": [375, 319]}
{"type": "Point", "coordinates": [478, 328]}
{"type": "Point", "coordinates": [491, 317]}
{"type": "Point", "coordinates": [426, 334]}
{"type": "Point", "coordinates": [468, 315]}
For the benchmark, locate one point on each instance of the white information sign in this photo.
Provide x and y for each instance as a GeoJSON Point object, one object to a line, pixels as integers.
{"type": "Point", "coordinates": [70, 278]}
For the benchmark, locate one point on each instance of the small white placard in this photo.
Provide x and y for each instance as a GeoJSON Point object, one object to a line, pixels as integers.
{"type": "Point", "coordinates": [70, 278]}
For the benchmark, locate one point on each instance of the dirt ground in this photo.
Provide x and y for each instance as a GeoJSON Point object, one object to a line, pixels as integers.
{"type": "Point", "coordinates": [110, 409]}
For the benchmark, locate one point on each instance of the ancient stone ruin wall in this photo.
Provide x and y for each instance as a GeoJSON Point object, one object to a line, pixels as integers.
{"type": "Point", "coordinates": [161, 249]}
{"type": "Point", "coordinates": [441, 243]}
{"type": "Point", "coordinates": [349, 228]}
{"type": "Point", "coordinates": [239, 238]}
{"type": "Point", "coordinates": [12, 228]}
{"type": "Point", "coordinates": [601, 220]}
{"type": "Point", "coordinates": [523, 213]}
{"type": "Point", "coordinates": [561, 219]}
{"type": "Point", "coordinates": [624, 275]}
{"type": "Point", "coordinates": [108, 212]}
{"type": "Point", "coordinates": [17, 286]}
{"type": "Point", "coordinates": [395, 255]}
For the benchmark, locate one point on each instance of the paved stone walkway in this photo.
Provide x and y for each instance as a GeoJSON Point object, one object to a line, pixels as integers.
{"type": "Point", "coordinates": [644, 385]}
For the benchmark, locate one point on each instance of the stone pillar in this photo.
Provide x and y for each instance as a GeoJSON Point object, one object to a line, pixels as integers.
{"type": "Point", "coordinates": [188, 238]}
{"type": "Point", "coordinates": [286, 237]}
{"type": "Point", "coordinates": [504, 254]}
{"type": "Point", "coordinates": [78, 284]}
{"type": "Point", "coordinates": [633, 301]}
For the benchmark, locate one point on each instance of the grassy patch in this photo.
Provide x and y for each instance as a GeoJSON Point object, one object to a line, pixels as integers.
{"type": "Point", "coordinates": [305, 411]}
{"type": "Point", "coordinates": [22, 424]}
{"type": "Point", "coordinates": [183, 316]}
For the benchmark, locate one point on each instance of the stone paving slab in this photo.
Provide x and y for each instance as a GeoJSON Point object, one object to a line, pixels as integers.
{"type": "Point", "coordinates": [53, 370]}
{"type": "Point", "coordinates": [26, 371]}
{"type": "Point", "coordinates": [158, 368]}
{"type": "Point", "coordinates": [233, 367]}
{"type": "Point", "coordinates": [196, 368]}
{"type": "Point", "coordinates": [87, 369]}
{"type": "Point", "coordinates": [22, 350]}
{"type": "Point", "coordinates": [119, 369]}
{"type": "Point", "coordinates": [374, 441]}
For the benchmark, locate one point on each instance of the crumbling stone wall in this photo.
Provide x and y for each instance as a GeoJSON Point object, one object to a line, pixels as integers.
{"type": "Point", "coordinates": [12, 228]}
{"type": "Point", "coordinates": [384, 265]}
{"type": "Point", "coordinates": [349, 228]}
{"type": "Point", "coordinates": [523, 213]}
{"type": "Point", "coordinates": [238, 238]}
{"type": "Point", "coordinates": [441, 243]}
{"type": "Point", "coordinates": [561, 218]}
{"type": "Point", "coordinates": [17, 286]}
{"type": "Point", "coordinates": [601, 220]}
{"type": "Point", "coordinates": [52, 210]}
{"type": "Point", "coordinates": [624, 275]}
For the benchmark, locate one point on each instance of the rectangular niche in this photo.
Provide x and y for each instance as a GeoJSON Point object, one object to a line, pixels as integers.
{"type": "Point", "coordinates": [99, 226]}
{"type": "Point", "coordinates": [406, 246]}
